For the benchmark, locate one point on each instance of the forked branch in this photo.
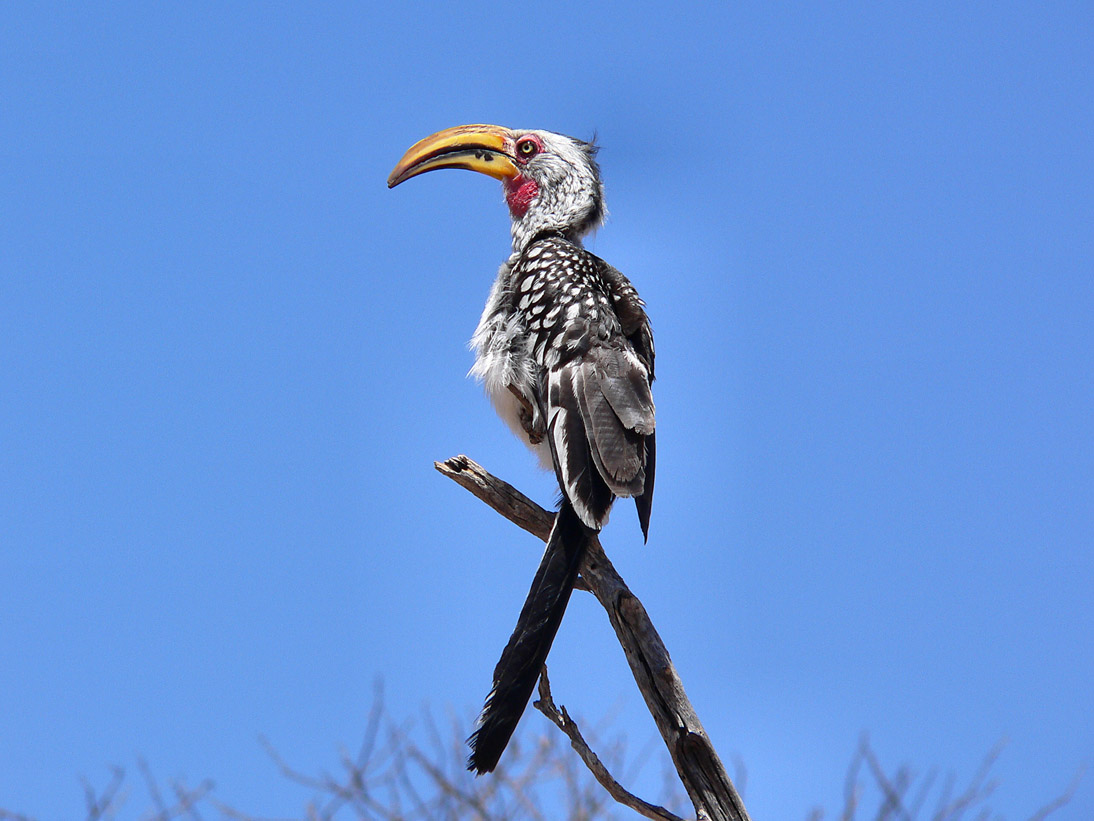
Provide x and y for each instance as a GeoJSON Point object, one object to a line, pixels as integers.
{"type": "Point", "coordinates": [697, 764]}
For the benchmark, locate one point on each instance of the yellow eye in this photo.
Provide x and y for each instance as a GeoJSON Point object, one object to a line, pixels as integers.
{"type": "Point", "coordinates": [527, 147]}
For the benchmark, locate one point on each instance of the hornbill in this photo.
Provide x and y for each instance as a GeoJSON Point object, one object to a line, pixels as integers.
{"type": "Point", "coordinates": [565, 352]}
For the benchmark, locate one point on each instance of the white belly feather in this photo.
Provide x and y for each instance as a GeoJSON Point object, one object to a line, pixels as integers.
{"type": "Point", "coordinates": [503, 358]}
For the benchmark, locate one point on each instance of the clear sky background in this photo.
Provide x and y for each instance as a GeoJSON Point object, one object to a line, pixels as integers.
{"type": "Point", "coordinates": [229, 356]}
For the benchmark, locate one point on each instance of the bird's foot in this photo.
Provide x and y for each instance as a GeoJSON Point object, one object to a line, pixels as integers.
{"type": "Point", "coordinates": [529, 419]}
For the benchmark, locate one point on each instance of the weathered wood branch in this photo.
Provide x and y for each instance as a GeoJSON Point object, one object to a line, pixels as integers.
{"type": "Point", "coordinates": [561, 719]}
{"type": "Point", "coordinates": [697, 764]}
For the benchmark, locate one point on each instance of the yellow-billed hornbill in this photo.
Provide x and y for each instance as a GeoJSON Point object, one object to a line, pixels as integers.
{"type": "Point", "coordinates": [565, 351]}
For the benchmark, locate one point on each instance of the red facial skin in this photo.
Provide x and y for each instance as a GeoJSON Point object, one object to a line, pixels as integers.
{"type": "Point", "coordinates": [521, 190]}
{"type": "Point", "coordinates": [519, 193]}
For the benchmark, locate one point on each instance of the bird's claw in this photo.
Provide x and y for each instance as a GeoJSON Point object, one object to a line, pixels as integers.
{"type": "Point", "coordinates": [528, 418]}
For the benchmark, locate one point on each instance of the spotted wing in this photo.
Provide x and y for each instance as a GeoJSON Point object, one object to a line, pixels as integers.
{"type": "Point", "coordinates": [594, 380]}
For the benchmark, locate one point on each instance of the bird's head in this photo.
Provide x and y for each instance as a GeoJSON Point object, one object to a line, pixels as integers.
{"type": "Point", "coordinates": [551, 181]}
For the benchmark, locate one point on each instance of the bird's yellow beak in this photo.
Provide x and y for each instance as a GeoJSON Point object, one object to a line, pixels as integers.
{"type": "Point", "coordinates": [487, 149]}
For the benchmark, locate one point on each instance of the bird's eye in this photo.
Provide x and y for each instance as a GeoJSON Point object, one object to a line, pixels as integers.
{"type": "Point", "coordinates": [527, 147]}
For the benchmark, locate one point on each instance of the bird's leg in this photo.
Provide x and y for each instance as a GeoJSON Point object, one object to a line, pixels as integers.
{"type": "Point", "coordinates": [529, 419]}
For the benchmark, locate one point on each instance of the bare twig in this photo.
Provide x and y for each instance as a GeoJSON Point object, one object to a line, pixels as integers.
{"type": "Point", "coordinates": [153, 789]}
{"type": "Point", "coordinates": [1062, 800]}
{"type": "Point", "coordinates": [188, 800]}
{"type": "Point", "coordinates": [446, 786]}
{"type": "Point", "coordinates": [103, 806]}
{"type": "Point", "coordinates": [700, 770]}
{"type": "Point", "coordinates": [561, 719]}
{"type": "Point", "coordinates": [499, 494]}
{"type": "Point", "coordinates": [977, 790]}
{"type": "Point", "coordinates": [894, 793]}
{"type": "Point", "coordinates": [895, 790]}
{"type": "Point", "coordinates": [372, 727]}
{"type": "Point", "coordinates": [852, 791]}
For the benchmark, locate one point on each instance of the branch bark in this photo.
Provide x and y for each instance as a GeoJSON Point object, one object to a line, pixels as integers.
{"type": "Point", "coordinates": [700, 770]}
{"type": "Point", "coordinates": [561, 719]}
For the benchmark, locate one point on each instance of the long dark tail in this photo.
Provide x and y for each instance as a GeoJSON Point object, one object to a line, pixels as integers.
{"type": "Point", "coordinates": [524, 655]}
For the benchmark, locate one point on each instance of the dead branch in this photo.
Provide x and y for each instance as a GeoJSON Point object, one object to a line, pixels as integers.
{"type": "Point", "coordinates": [1061, 800]}
{"type": "Point", "coordinates": [103, 806]}
{"type": "Point", "coordinates": [561, 719]}
{"type": "Point", "coordinates": [700, 770]}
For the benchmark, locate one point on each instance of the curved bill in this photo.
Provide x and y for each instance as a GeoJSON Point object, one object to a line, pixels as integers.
{"type": "Point", "coordinates": [483, 148]}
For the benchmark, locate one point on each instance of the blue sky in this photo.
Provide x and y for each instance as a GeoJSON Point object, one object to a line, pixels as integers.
{"type": "Point", "coordinates": [229, 357]}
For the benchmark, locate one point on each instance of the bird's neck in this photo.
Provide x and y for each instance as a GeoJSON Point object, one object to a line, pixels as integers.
{"type": "Point", "coordinates": [536, 211]}
{"type": "Point", "coordinates": [536, 223]}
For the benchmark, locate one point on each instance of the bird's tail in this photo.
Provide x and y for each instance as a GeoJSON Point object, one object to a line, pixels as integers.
{"type": "Point", "coordinates": [524, 655]}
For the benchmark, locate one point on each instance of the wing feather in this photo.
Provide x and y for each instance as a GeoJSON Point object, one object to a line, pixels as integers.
{"type": "Point", "coordinates": [625, 384]}
{"type": "Point", "coordinates": [615, 448]}
{"type": "Point", "coordinates": [577, 471]}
